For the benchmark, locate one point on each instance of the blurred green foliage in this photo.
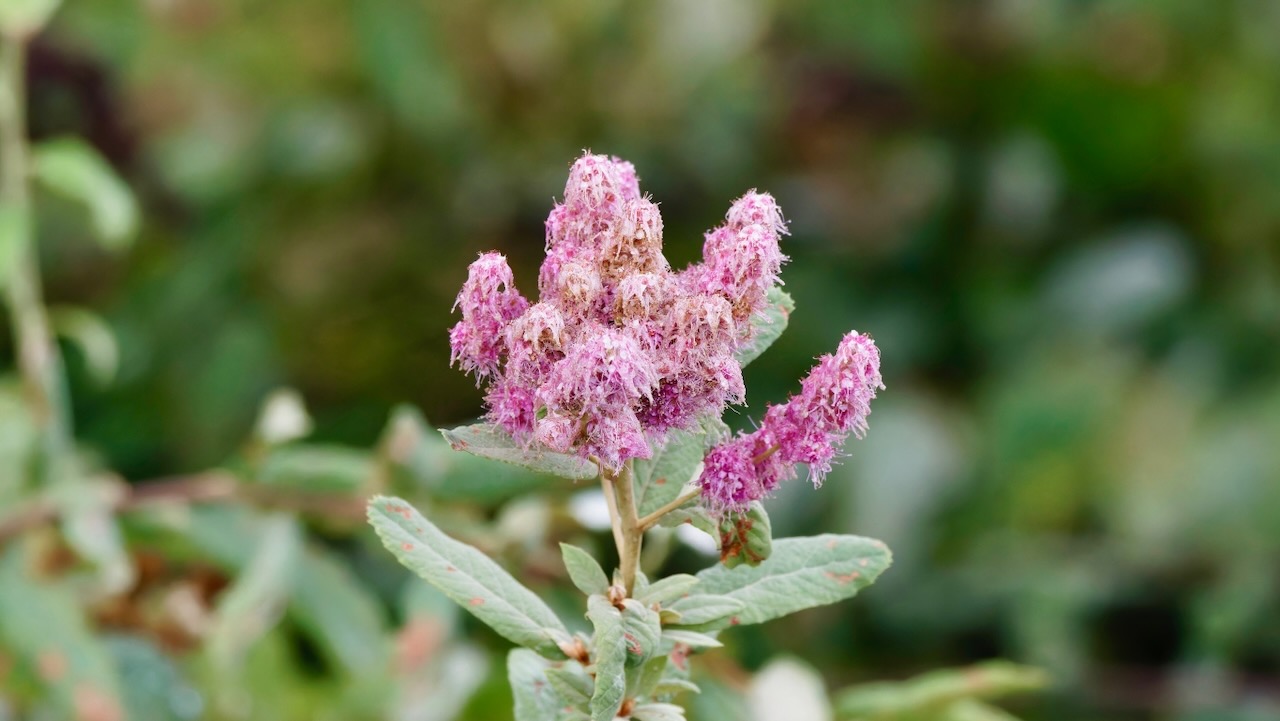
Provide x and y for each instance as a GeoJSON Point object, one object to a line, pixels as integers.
{"type": "Point", "coordinates": [1060, 220]}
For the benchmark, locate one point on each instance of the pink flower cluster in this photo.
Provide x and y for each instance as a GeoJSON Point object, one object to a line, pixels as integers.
{"type": "Point", "coordinates": [619, 348]}
{"type": "Point", "coordinates": [834, 401]}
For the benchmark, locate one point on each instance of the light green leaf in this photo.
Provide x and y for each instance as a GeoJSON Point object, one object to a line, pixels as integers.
{"type": "Point", "coordinates": [572, 683]}
{"type": "Point", "coordinates": [640, 684]}
{"type": "Point", "coordinates": [671, 686]}
{"type": "Point", "coordinates": [92, 336]}
{"type": "Point", "coordinates": [610, 651]}
{"type": "Point", "coordinates": [801, 573]}
{"type": "Point", "coordinates": [258, 598]}
{"type": "Point", "coordinates": [43, 628]}
{"type": "Point", "coordinates": [24, 18]}
{"type": "Point", "coordinates": [489, 441]}
{"type": "Point", "coordinates": [467, 576]}
{"type": "Point", "coordinates": [535, 697]}
{"type": "Point", "coordinates": [584, 571]}
{"type": "Point", "coordinates": [153, 687]}
{"type": "Point", "coordinates": [768, 326]}
{"type": "Point", "coordinates": [642, 631]}
{"type": "Point", "coordinates": [70, 167]}
{"type": "Point", "coordinates": [746, 538]}
{"type": "Point", "coordinates": [333, 607]}
{"type": "Point", "coordinates": [658, 712]}
{"type": "Point", "coordinates": [316, 468]}
{"type": "Point", "coordinates": [703, 609]}
{"type": "Point", "coordinates": [692, 639]}
{"type": "Point", "coordinates": [666, 590]}
{"type": "Point", "coordinates": [421, 460]}
{"type": "Point", "coordinates": [660, 478]}
{"type": "Point", "coordinates": [89, 524]}
{"type": "Point", "coordinates": [932, 692]}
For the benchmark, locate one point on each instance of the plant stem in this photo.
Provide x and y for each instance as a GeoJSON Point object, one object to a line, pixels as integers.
{"type": "Point", "coordinates": [630, 536]}
{"type": "Point", "coordinates": [652, 519]}
{"type": "Point", "coordinates": [39, 361]}
{"type": "Point", "coordinates": [611, 501]}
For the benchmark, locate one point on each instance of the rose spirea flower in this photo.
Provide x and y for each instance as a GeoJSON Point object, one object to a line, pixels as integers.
{"type": "Point", "coordinates": [834, 402]}
{"type": "Point", "coordinates": [618, 348]}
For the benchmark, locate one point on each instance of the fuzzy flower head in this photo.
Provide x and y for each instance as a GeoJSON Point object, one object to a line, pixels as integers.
{"type": "Point", "coordinates": [834, 401]}
{"type": "Point", "coordinates": [488, 302]}
{"type": "Point", "coordinates": [618, 348]}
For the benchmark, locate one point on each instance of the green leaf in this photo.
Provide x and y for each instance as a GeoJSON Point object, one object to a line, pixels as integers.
{"type": "Point", "coordinates": [153, 687]}
{"type": "Point", "coordinates": [535, 697]}
{"type": "Point", "coordinates": [92, 336]}
{"type": "Point", "coordinates": [666, 590]}
{"type": "Point", "coordinates": [256, 600]}
{"type": "Point", "coordinates": [642, 631]}
{"type": "Point", "coordinates": [315, 468]}
{"type": "Point", "coordinates": [489, 441]}
{"type": "Point", "coordinates": [70, 167]}
{"type": "Point", "coordinates": [746, 538]}
{"type": "Point", "coordinates": [584, 571]}
{"type": "Point", "coordinates": [467, 576]}
{"type": "Point", "coordinates": [932, 692]}
{"type": "Point", "coordinates": [43, 628]}
{"type": "Point", "coordinates": [609, 645]}
{"type": "Point", "coordinates": [660, 478]}
{"type": "Point", "coordinates": [657, 712]}
{"type": "Point", "coordinates": [640, 684]}
{"type": "Point", "coordinates": [572, 683]}
{"type": "Point", "coordinates": [692, 639]}
{"type": "Point", "coordinates": [768, 326]}
{"type": "Point", "coordinates": [334, 608]}
{"type": "Point", "coordinates": [671, 686]}
{"type": "Point", "coordinates": [707, 609]}
{"type": "Point", "coordinates": [421, 460]}
{"type": "Point", "coordinates": [24, 18]}
{"type": "Point", "coordinates": [801, 573]}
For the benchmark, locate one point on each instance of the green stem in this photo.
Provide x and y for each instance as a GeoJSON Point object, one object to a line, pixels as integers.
{"type": "Point", "coordinates": [652, 519]}
{"type": "Point", "coordinates": [39, 361]}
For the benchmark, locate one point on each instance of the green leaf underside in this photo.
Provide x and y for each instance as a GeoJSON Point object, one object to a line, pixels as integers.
{"type": "Point", "coordinates": [801, 573]}
{"type": "Point", "coordinates": [666, 590]}
{"type": "Point", "coordinates": [609, 645]}
{"type": "Point", "coordinates": [937, 690]}
{"type": "Point", "coordinates": [769, 327]}
{"type": "Point", "coordinates": [660, 478]}
{"type": "Point", "coordinates": [535, 698]}
{"type": "Point", "coordinates": [692, 639]}
{"type": "Point", "coordinates": [643, 631]}
{"type": "Point", "coordinates": [468, 577]}
{"type": "Point", "coordinates": [584, 571]}
{"type": "Point", "coordinates": [489, 441]}
{"type": "Point", "coordinates": [703, 608]}
{"type": "Point", "coordinates": [658, 712]}
{"type": "Point", "coordinates": [571, 683]}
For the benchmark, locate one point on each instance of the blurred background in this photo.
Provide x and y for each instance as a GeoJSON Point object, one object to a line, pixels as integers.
{"type": "Point", "coordinates": [1059, 219]}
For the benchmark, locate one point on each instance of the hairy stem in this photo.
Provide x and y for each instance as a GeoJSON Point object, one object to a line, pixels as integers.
{"type": "Point", "coordinates": [39, 361]}
{"type": "Point", "coordinates": [629, 534]}
{"type": "Point", "coordinates": [652, 519]}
